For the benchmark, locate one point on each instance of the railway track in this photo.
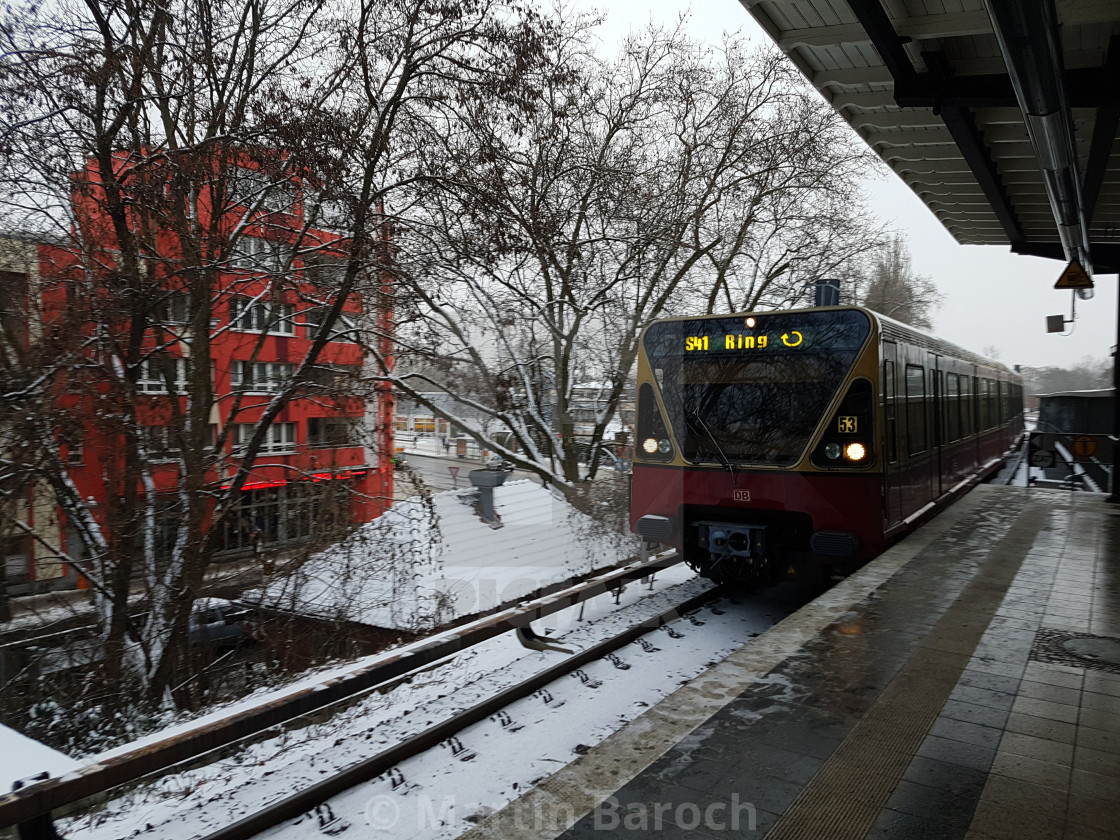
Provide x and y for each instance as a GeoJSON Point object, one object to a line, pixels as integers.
{"type": "Point", "coordinates": [36, 801]}
{"type": "Point", "coordinates": [313, 796]}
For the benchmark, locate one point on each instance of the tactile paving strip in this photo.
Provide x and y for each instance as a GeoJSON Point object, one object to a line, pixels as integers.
{"type": "Point", "coordinates": [846, 796]}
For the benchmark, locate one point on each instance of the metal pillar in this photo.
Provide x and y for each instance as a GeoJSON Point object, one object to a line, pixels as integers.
{"type": "Point", "coordinates": [1115, 497]}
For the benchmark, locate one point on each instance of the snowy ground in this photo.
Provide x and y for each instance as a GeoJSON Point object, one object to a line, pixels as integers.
{"type": "Point", "coordinates": [485, 766]}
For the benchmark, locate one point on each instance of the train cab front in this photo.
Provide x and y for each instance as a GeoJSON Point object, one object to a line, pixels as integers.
{"type": "Point", "coordinates": [755, 449]}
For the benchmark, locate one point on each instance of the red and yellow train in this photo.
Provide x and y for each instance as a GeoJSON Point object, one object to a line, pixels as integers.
{"type": "Point", "coordinates": [771, 442]}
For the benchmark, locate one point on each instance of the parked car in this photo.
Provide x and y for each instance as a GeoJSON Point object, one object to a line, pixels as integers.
{"type": "Point", "coordinates": [219, 623]}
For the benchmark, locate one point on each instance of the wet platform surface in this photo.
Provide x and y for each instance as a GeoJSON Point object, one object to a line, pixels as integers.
{"type": "Point", "coordinates": [966, 684]}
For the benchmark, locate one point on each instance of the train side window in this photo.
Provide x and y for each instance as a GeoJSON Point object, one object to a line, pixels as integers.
{"type": "Point", "coordinates": [892, 422]}
{"type": "Point", "coordinates": [966, 405]}
{"type": "Point", "coordinates": [937, 388]}
{"type": "Point", "coordinates": [975, 404]}
{"type": "Point", "coordinates": [916, 409]}
{"type": "Point", "coordinates": [952, 405]}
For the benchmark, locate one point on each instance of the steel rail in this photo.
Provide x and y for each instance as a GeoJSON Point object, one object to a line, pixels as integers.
{"type": "Point", "coordinates": [42, 797]}
{"type": "Point", "coordinates": [305, 800]}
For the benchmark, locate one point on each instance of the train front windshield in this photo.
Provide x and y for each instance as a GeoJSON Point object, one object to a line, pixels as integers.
{"type": "Point", "coordinates": [751, 390]}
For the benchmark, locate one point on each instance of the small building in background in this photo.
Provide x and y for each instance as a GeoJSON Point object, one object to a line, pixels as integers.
{"type": "Point", "coordinates": [1077, 412]}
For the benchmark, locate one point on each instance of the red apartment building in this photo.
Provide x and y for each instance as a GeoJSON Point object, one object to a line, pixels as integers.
{"type": "Point", "coordinates": [258, 336]}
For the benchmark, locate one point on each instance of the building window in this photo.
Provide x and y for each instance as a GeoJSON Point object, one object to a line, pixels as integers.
{"type": "Point", "coordinates": [260, 377]}
{"type": "Point", "coordinates": [280, 439]}
{"type": "Point", "coordinates": [253, 188]}
{"type": "Point", "coordinates": [13, 307]}
{"type": "Point", "coordinates": [257, 255]}
{"type": "Point", "coordinates": [155, 372]}
{"type": "Point", "coordinates": [160, 442]}
{"type": "Point", "coordinates": [344, 329]}
{"type": "Point", "coordinates": [261, 317]}
{"type": "Point", "coordinates": [285, 514]}
{"type": "Point", "coordinates": [172, 308]}
{"type": "Point", "coordinates": [166, 534]}
{"type": "Point", "coordinates": [329, 431]}
{"type": "Point", "coordinates": [323, 269]}
{"type": "Point", "coordinates": [15, 558]}
{"type": "Point", "coordinates": [72, 440]}
{"type": "Point", "coordinates": [335, 378]}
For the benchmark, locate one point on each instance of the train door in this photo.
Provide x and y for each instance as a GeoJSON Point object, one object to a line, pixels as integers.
{"type": "Point", "coordinates": [1002, 401]}
{"type": "Point", "coordinates": [937, 390]}
{"type": "Point", "coordinates": [917, 475]}
{"type": "Point", "coordinates": [977, 398]}
{"type": "Point", "coordinates": [892, 469]}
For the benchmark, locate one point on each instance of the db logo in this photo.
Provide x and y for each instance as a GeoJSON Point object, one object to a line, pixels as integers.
{"type": "Point", "coordinates": [742, 495]}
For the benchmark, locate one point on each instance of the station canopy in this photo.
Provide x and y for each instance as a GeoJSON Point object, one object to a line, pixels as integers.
{"type": "Point", "coordinates": [1000, 114]}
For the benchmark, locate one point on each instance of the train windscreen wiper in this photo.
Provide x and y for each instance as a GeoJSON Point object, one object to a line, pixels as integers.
{"type": "Point", "coordinates": [694, 419]}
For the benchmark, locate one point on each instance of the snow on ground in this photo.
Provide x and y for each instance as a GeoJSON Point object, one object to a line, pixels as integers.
{"type": "Point", "coordinates": [25, 757]}
{"type": "Point", "coordinates": [428, 561]}
{"type": "Point", "coordinates": [482, 768]}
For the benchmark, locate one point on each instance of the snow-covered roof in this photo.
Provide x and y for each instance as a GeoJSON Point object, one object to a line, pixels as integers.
{"type": "Point", "coordinates": [24, 757]}
{"type": "Point", "coordinates": [1095, 392]}
{"type": "Point", "coordinates": [425, 562]}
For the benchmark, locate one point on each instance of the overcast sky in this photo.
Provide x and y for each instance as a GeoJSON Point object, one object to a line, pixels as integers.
{"type": "Point", "coordinates": [991, 296]}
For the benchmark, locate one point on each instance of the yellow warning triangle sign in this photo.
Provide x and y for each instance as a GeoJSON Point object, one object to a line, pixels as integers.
{"type": "Point", "coordinates": [1074, 277]}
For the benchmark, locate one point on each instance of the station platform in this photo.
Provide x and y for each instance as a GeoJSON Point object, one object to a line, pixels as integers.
{"type": "Point", "coordinates": [965, 684]}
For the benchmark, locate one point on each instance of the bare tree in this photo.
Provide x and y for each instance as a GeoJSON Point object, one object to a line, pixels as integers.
{"type": "Point", "coordinates": [1089, 374]}
{"type": "Point", "coordinates": [668, 180]}
{"type": "Point", "coordinates": [896, 290]}
{"type": "Point", "coordinates": [163, 148]}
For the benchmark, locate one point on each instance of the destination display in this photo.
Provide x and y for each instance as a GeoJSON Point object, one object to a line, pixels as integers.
{"type": "Point", "coordinates": [763, 333]}
{"type": "Point", "coordinates": [741, 341]}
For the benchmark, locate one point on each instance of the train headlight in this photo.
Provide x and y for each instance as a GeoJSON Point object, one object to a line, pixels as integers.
{"type": "Point", "coordinates": [855, 451]}
{"type": "Point", "coordinates": [663, 446]}
{"type": "Point", "coordinates": [832, 451]}
{"type": "Point", "coordinates": [649, 446]}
